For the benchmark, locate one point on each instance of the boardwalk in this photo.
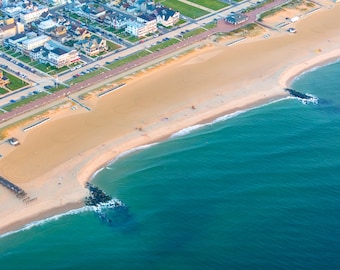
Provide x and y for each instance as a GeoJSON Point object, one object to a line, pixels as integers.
{"type": "Point", "coordinates": [20, 193]}
{"type": "Point", "coordinates": [221, 27]}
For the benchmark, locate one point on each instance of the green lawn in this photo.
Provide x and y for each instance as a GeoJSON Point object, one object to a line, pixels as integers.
{"type": "Point", "coordinates": [23, 101]}
{"type": "Point", "coordinates": [3, 91]}
{"type": "Point", "coordinates": [163, 45]}
{"type": "Point", "coordinates": [212, 4]}
{"type": "Point", "coordinates": [15, 82]}
{"type": "Point", "coordinates": [185, 9]}
{"type": "Point", "coordinates": [127, 59]}
{"type": "Point", "coordinates": [24, 58]}
{"type": "Point", "coordinates": [47, 68]}
{"type": "Point", "coordinates": [112, 46]}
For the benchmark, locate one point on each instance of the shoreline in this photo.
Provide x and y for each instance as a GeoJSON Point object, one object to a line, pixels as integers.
{"type": "Point", "coordinates": [70, 175]}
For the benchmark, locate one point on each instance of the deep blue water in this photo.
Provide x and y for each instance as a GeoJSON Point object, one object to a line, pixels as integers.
{"type": "Point", "coordinates": [260, 190]}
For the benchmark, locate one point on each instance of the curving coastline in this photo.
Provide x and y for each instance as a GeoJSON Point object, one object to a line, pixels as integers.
{"type": "Point", "coordinates": [213, 99]}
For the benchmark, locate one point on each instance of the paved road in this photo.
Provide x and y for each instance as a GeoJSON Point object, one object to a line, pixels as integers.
{"type": "Point", "coordinates": [221, 27]}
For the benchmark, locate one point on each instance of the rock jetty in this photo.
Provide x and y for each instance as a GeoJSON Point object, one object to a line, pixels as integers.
{"type": "Point", "coordinates": [96, 196]}
{"type": "Point", "coordinates": [297, 94]}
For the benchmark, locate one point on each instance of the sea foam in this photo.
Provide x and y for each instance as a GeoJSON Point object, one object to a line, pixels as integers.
{"type": "Point", "coordinates": [98, 208]}
{"type": "Point", "coordinates": [49, 219]}
{"type": "Point", "coordinates": [188, 130]}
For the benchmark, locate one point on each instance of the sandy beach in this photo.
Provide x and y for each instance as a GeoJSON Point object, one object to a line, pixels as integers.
{"type": "Point", "coordinates": [56, 159]}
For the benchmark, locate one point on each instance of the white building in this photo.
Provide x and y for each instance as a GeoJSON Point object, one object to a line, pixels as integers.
{"type": "Point", "coordinates": [59, 57]}
{"type": "Point", "coordinates": [143, 26]}
{"type": "Point", "coordinates": [47, 25]}
{"type": "Point", "coordinates": [31, 15]}
{"type": "Point", "coordinates": [32, 43]}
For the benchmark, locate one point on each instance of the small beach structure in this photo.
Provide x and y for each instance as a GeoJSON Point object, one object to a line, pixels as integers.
{"type": "Point", "coordinates": [236, 18]}
{"type": "Point", "coordinates": [13, 141]}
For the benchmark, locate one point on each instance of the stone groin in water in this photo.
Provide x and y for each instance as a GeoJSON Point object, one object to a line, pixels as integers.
{"type": "Point", "coordinates": [111, 211]}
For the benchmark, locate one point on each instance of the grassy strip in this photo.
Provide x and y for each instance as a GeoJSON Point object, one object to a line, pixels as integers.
{"type": "Point", "coordinates": [244, 30]}
{"type": "Point", "coordinates": [269, 13]}
{"type": "Point", "coordinates": [193, 32]}
{"type": "Point", "coordinates": [185, 9]}
{"type": "Point", "coordinates": [57, 88]}
{"type": "Point", "coordinates": [211, 4]}
{"type": "Point", "coordinates": [163, 45]}
{"type": "Point", "coordinates": [23, 101]}
{"type": "Point", "coordinates": [86, 76]}
{"type": "Point", "coordinates": [15, 82]}
{"type": "Point", "coordinates": [127, 59]}
{"type": "Point", "coordinates": [210, 25]}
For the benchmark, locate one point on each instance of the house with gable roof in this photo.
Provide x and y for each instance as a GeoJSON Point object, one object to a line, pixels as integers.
{"type": "Point", "coordinates": [116, 20]}
{"type": "Point", "coordinates": [92, 46]}
{"type": "Point", "coordinates": [166, 16]}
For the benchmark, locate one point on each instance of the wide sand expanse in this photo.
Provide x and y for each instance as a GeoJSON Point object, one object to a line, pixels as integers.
{"type": "Point", "coordinates": [55, 160]}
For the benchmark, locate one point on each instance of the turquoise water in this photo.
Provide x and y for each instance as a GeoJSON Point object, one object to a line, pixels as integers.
{"type": "Point", "coordinates": [259, 190]}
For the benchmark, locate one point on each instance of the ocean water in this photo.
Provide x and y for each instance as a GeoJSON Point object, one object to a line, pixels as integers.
{"type": "Point", "coordinates": [257, 190]}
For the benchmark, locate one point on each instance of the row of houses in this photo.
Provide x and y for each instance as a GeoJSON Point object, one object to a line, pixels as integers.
{"type": "Point", "coordinates": [43, 49]}
{"type": "Point", "coordinates": [141, 25]}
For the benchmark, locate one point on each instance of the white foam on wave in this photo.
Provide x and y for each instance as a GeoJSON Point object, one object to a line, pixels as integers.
{"type": "Point", "coordinates": [49, 219]}
{"type": "Point", "coordinates": [313, 100]}
{"type": "Point", "coordinates": [98, 208]}
{"type": "Point", "coordinates": [188, 130]}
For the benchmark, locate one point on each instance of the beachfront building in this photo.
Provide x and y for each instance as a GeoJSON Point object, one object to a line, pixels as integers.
{"type": "Point", "coordinates": [10, 30]}
{"type": "Point", "coordinates": [59, 57]}
{"type": "Point", "coordinates": [3, 80]}
{"type": "Point", "coordinates": [92, 46]}
{"type": "Point", "coordinates": [32, 14]}
{"type": "Point", "coordinates": [145, 24]}
{"type": "Point", "coordinates": [236, 18]}
{"type": "Point", "coordinates": [167, 17]}
{"type": "Point", "coordinates": [32, 43]}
